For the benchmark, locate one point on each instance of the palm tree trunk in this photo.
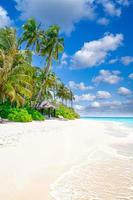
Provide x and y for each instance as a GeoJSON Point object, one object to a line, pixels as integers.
{"type": "Point", "coordinates": [46, 70]}
{"type": "Point", "coordinates": [71, 103]}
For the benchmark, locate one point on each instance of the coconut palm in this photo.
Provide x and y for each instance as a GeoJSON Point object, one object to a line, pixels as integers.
{"type": "Point", "coordinates": [50, 86]}
{"type": "Point", "coordinates": [15, 69]}
{"type": "Point", "coordinates": [47, 44]}
{"type": "Point", "coordinates": [51, 47]}
{"type": "Point", "coordinates": [32, 35]}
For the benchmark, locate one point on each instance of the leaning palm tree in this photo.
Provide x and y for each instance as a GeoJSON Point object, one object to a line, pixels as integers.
{"type": "Point", "coordinates": [47, 44]}
{"type": "Point", "coordinates": [32, 35]}
{"type": "Point", "coordinates": [62, 92]}
{"type": "Point", "coordinates": [51, 47]}
{"type": "Point", "coordinates": [15, 69]}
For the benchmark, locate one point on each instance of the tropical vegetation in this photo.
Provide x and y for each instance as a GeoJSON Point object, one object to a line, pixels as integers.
{"type": "Point", "coordinates": [24, 86]}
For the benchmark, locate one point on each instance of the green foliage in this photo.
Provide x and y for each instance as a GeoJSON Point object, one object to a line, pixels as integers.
{"type": "Point", "coordinates": [66, 112]}
{"type": "Point", "coordinates": [26, 114]}
{"type": "Point", "coordinates": [16, 72]}
{"type": "Point", "coordinates": [19, 115]}
{"type": "Point", "coordinates": [5, 110]}
{"type": "Point", "coordinates": [22, 84]}
{"type": "Point", "coordinates": [36, 115]}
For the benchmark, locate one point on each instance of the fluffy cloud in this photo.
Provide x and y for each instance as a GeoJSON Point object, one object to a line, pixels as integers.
{"type": "Point", "coordinates": [68, 13]}
{"type": "Point", "coordinates": [78, 107]}
{"type": "Point", "coordinates": [79, 86]}
{"type": "Point", "coordinates": [106, 108]}
{"type": "Point", "coordinates": [113, 61]}
{"type": "Point", "coordinates": [124, 91]}
{"type": "Point", "coordinates": [95, 104]}
{"type": "Point", "coordinates": [107, 76]}
{"type": "Point", "coordinates": [4, 18]}
{"type": "Point", "coordinates": [109, 104]}
{"type": "Point", "coordinates": [64, 13]}
{"type": "Point", "coordinates": [84, 97]}
{"type": "Point", "coordinates": [126, 60]}
{"type": "Point", "coordinates": [124, 2]}
{"type": "Point", "coordinates": [95, 52]}
{"type": "Point", "coordinates": [131, 76]}
{"type": "Point", "coordinates": [103, 95]}
{"type": "Point", "coordinates": [90, 97]}
{"type": "Point", "coordinates": [111, 8]}
{"type": "Point", "coordinates": [103, 21]}
{"type": "Point", "coordinates": [63, 60]}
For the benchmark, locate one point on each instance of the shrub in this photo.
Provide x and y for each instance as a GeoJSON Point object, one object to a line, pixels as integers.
{"type": "Point", "coordinates": [36, 115]}
{"type": "Point", "coordinates": [19, 115]}
{"type": "Point", "coordinates": [4, 110]}
{"type": "Point", "coordinates": [26, 114]}
{"type": "Point", "coordinates": [66, 112]}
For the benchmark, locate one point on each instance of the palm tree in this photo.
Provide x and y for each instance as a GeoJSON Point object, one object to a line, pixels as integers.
{"type": "Point", "coordinates": [62, 92]}
{"type": "Point", "coordinates": [15, 69]}
{"type": "Point", "coordinates": [51, 46]}
{"type": "Point", "coordinates": [71, 97]}
{"type": "Point", "coordinates": [52, 82]}
{"type": "Point", "coordinates": [47, 44]}
{"type": "Point", "coordinates": [32, 35]}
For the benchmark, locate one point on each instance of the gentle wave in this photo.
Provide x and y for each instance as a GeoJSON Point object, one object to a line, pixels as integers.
{"type": "Point", "coordinates": [106, 178]}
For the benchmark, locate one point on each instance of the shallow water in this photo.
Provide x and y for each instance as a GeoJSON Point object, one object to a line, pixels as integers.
{"type": "Point", "coordinates": [106, 179]}
{"type": "Point", "coordinates": [128, 120]}
{"type": "Point", "coordinates": [106, 174]}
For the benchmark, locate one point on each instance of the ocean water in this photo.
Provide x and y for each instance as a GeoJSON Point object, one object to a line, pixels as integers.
{"type": "Point", "coordinates": [128, 120]}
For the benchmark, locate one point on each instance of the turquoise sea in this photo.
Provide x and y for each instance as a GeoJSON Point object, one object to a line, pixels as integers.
{"type": "Point", "coordinates": [114, 119]}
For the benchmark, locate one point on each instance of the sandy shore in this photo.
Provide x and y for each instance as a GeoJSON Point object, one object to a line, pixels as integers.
{"type": "Point", "coordinates": [59, 160]}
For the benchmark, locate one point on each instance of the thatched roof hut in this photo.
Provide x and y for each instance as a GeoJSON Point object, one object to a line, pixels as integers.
{"type": "Point", "coordinates": [46, 105]}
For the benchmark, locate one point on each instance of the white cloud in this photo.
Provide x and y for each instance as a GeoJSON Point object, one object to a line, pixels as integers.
{"type": "Point", "coordinates": [113, 61]}
{"type": "Point", "coordinates": [63, 13]}
{"type": "Point", "coordinates": [68, 13]}
{"type": "Point", "coordinates": [4, 18]}
{"type": "Point", "coordinates": [64, 56]}
{"type": "Point", "coordinates": [108, 108]}
{"type": "Point", "coordinates": [124, 2]}
{"type": "Point", "coordinates": [126, 60]}
{"type": "Point", "coordinates": [95, 104]}
{"type": "Point", "coordinates": [63, 60]}
{"type": "Point", "coordinates": [111, 8]}
{"type": "Point", "coordinates": [79, 86]}
{"type": "Point", "coordinates": [109, 104]}
{"type": "Point", "coordinates": [116, 72]}
{"type": "Point", "coordinates": [106, 104]}
{"type": "Point", "coordinates": [103, 95]}
{"type": "Point", "coordinates": [84, 97]}
{"type": "Point", "coordinates": [107, 76]}
{"type": "Point", "coordinates": [124, 91]}
{"type": "Point", "coordinates": [78, 107]}
{"type": "Point", "coordinates": [103, 21]}
{"type": "Point", "coordinates": [131, 76]}
{"type": "Point", "coordinates": [95, 52]}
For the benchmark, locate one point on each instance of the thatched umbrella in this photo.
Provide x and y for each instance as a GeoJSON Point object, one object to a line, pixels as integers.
{"type": "Point", "coordinates": [47, 105]}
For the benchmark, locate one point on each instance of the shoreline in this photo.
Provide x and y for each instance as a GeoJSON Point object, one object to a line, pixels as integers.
{"type": "Point", "coordinates": [38, 154]}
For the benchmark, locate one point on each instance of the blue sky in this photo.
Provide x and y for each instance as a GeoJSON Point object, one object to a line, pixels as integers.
{"type": "Point", "coordinates": [98, 60]}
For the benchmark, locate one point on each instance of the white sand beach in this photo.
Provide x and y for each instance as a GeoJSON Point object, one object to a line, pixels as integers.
{"type": "Point", "coordinates": [66, 160]}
